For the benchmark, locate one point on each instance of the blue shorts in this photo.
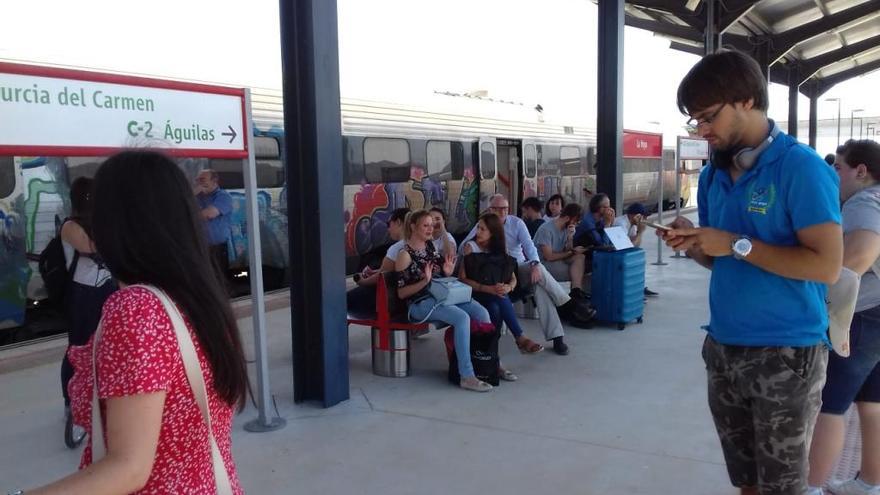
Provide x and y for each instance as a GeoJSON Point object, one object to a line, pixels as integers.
{"type": "Point", "coordinates": [857, 377]}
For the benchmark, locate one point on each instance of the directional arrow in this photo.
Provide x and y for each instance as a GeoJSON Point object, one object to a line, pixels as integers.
{"type": "Point", "coordinates": [230, 133]}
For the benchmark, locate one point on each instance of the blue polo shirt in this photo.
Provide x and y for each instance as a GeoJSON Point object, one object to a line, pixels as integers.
{"type": "Point", "coordinates": [788, 189]}
{"type": "Point", "coordinates": [218, 230]}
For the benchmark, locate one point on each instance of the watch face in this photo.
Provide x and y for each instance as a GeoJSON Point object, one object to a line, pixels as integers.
{"type": "Point", "coordinates": [742, 247]}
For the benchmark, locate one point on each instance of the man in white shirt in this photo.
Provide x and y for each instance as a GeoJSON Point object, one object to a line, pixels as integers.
{"type": "Point", "coordinates": [548, 293]}
{"type": "Point", "coordinates": [632, 223]}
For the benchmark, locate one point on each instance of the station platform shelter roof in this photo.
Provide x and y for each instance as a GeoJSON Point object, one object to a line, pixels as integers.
{"type": "Point", "coordinates": [813, 43]}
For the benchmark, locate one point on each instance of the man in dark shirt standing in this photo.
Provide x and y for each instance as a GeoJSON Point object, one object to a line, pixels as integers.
{"type": "Point", "coordinates": [216, 206]}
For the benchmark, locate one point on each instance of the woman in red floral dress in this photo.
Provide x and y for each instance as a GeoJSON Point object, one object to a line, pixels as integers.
{"type": "Point", "coordinates": [147, 229]}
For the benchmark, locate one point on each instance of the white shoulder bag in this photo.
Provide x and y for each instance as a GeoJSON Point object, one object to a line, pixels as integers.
{"type": "Point", "coordinates": [194, 377]}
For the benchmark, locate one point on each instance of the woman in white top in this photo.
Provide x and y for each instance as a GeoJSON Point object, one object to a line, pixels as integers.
{"type": "Point", "coordinates": [88, 288]}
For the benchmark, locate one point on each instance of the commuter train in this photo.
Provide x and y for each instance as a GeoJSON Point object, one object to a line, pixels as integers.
{"type": "Point", "coordinates": [393, 156]}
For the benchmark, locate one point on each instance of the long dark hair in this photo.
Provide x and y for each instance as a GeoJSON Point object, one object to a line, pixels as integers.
{"type": "Point", "coordinates": [82, 195]}
{"type": "Point", "coordinates": [147, 229]}
{"type": "Point", "coordinates": [497, 243]}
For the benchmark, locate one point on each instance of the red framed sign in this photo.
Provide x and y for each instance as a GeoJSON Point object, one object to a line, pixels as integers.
{"type": "Point", "coordinates": [638, 144]}
{"type": "Point", "coordinates": [46, 111]}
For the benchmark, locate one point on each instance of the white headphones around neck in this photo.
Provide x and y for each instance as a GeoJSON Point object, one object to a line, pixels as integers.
{"type": "Point", "coordinates": [745, 158]}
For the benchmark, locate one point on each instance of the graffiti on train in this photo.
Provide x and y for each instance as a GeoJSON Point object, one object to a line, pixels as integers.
{"type": "Point", "coordinates": [368, 211]}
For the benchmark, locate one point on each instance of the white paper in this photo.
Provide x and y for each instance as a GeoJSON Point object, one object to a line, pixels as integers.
{"type": "Point", "coordinates": [618, 237]}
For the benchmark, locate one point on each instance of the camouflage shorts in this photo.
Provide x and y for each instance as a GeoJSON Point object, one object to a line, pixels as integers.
{"type": "Point", "coordinates": [764, 401]}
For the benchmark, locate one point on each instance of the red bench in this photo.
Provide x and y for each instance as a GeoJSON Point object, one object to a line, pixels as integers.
{"type": "Point", "coordinates": [390, 330]}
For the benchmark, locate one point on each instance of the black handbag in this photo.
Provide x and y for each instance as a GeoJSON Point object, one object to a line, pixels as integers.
{"type": "Point", "coordinates": [489, 268]}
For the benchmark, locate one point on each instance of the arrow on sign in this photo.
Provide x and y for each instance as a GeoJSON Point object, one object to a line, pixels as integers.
{"type": "Point", "coordinates": [231, 133]}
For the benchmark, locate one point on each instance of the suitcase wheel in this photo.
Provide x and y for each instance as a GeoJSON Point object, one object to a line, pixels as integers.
{"type": "Point", "coordinates": [621, 326]}
{"type": "Point", "coordinates": [640, 320]}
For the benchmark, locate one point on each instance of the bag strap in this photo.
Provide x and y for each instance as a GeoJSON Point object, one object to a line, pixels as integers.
{"type": "Point", "coordinates": [194, 377]}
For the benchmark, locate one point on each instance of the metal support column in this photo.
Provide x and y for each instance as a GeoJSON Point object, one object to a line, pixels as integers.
{"type": "Point", "coordinates": [313, 157]}
{"type": "Point", "coordinates": [761, 53]}
{"type": "Point", "coordinates": [814, 118]}
{"type": "Point", "coordinates": [609, 177]}
{"type": "Point", "coordinates": [793, 84]}
{"type": "Point", "coordinates": [710, 37]}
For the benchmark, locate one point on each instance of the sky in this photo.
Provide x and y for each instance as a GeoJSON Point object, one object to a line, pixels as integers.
{"type": "Point", "coordinates": [390, 50]}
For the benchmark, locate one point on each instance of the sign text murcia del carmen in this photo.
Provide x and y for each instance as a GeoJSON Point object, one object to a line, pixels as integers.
{"type": "Point", "coordinates": [46, 111]}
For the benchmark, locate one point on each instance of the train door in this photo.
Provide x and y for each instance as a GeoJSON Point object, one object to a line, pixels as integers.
{"type": "Point", "coordinates": [509, 176]}
{"type": "Point", "coordinates": [488, 170]}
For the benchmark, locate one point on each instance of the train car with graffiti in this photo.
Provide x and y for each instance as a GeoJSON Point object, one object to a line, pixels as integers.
{"type": "Point", "coordinates": [450, 153]}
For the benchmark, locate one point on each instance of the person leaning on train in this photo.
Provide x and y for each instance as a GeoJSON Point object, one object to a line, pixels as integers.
{"type": "Point", "coordinates": [549, 295]}
{"type": "Point", "coordinates": [417, 263]}
{"type": "Point", "coordinates": [361, 300]}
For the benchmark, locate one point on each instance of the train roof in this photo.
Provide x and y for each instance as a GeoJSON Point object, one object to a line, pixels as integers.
{"type": "Point", "coordinates": [439, 116]}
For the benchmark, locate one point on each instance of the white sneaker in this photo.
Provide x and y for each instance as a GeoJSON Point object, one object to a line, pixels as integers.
{"type": "Point", "coordinates": [852, 487]}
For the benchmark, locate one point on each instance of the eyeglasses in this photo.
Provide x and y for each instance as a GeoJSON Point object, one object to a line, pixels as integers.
{"type": "Point", "coordinates": [499, 208]}
{"type": "Point", "coordinates": [697, 123]}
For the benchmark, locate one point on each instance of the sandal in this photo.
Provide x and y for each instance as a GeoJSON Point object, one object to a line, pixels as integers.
{"type": "Point", "coordinates": [528, 346]}
{"type": "Point", "coordinates": [507, 375]}
{"type": "Point", "coordinates": [474, 384]}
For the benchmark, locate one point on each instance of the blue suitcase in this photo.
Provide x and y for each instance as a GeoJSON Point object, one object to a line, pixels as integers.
{"type": "Point", "coordinates": [618, 286]}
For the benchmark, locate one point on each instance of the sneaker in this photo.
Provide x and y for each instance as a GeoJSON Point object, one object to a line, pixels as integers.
{"type": "Point", "coordinates": [560, 347]}
{"type": "Point", "coordinates": [650, 293]}
{"type": "Point", "coordinates": [852, 487]}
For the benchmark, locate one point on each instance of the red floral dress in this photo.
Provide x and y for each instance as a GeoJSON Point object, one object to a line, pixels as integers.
{"type": "Point", "coordinates": [138, 354]}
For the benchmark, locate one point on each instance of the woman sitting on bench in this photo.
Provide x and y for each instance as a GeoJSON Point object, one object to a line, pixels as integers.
{"type": "Point", "coordinates": [491, 273]}
{"type": "Point", "coordinates": [416, 264]}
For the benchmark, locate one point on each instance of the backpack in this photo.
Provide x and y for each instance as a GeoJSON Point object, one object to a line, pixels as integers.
{"type": "Point", "coordinates": [53, 268]}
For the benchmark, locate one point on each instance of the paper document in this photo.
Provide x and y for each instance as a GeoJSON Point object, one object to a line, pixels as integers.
{"type": "Point", "coordinates": [618, 237]}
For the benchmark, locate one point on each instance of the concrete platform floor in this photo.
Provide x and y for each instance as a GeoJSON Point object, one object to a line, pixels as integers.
{"type": "Point", "coordinates": [624, 413]}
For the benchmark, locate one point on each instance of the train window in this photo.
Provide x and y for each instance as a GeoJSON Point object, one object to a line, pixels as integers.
{"type": "Point", "coordinates": [445, 159]}
{"type": "Point", "coordinates": [531, 160]}
{"type": "Point", "coordinates": [266, 147]}
{"type": "Point", "coordinates": [487, 161]}
{"type": "Point", "coordinates": [230, 173]}
{"type": "Point", "coordinates": [570, 157]}
{"type": "Point", "coordinates": [387, 160]}
{"type": "Point", "coordinates": [548, 160]}
{"type": "Point", "coordinates": [352, 167]}
{"type": "Point", "coordinates": [270, 173]}
{"type": "Point", "coordinates": [7, 176]}
{"type": "Point", "coordinates": [591, 160]}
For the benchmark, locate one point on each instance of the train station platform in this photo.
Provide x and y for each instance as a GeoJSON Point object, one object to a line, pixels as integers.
{"type": "Point", "coordinates": [624, 413]}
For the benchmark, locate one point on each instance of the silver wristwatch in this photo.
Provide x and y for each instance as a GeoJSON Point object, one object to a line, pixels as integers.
{"type": "Point", "coordinates": [741, 247]}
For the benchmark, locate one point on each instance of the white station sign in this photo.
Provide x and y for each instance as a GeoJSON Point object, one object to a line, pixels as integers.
{"type": "Point", "coordinates": [693, 148]}
{"type": "Point", "coordinates": [44, 112]}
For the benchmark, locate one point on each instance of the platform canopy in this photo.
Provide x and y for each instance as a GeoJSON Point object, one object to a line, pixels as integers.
{"type": "Point", "coordinates": [813, 43]}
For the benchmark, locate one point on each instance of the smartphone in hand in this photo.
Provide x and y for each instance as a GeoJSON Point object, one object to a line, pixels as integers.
{"type": "Point", "coordinates": [657, 226]}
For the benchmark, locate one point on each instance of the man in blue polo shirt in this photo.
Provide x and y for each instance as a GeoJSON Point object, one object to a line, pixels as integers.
{"type": "Point", "coordinates": [770, 232]}
{"type": "Point", "coordinates": [216, 205]}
